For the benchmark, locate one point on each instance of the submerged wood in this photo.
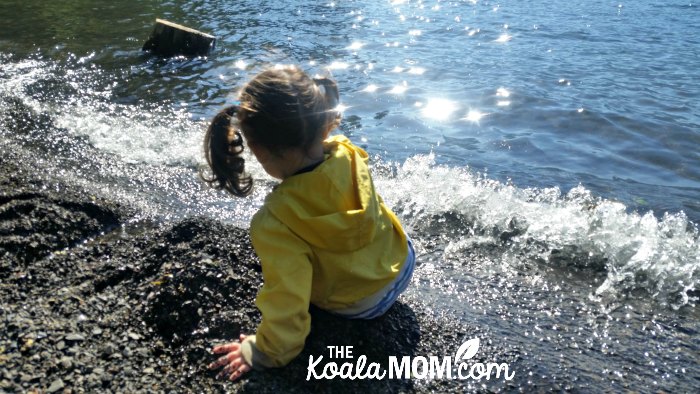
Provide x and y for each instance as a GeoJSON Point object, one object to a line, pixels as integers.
{"type": "Point", "coordinates": [170, 39]}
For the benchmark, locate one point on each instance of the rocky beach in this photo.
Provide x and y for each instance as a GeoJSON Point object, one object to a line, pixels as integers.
{"type": "Point", "coordinates": [97, 299]}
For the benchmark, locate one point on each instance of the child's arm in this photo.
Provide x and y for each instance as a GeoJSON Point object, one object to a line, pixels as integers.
{"type": "Point", "coordinates": [284, 297]}
{"type": "Point", "coordinates": [283, 301]}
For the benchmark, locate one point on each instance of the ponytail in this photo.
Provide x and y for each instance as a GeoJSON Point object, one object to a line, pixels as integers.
{"type": "Point", "coordinates": [223, 146]}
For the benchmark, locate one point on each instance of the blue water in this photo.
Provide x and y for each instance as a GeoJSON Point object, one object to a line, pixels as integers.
{"type": "Point", "coordinates": [541, 151]}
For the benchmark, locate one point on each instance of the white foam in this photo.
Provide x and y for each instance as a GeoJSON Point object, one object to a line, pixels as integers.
{"type": "Point", "coordinates": [135, 135]}
{"type": "Point", "coordinates": [661, 255]}
{"type": "Point", "coordinates": [17, 76]}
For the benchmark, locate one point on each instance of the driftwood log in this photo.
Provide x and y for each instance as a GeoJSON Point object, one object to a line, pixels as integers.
{"type": "Point", "coordinates": [170, 39]}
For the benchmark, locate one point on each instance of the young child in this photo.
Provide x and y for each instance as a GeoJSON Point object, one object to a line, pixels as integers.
{"type": "Point", "coordinates": [324, 235]}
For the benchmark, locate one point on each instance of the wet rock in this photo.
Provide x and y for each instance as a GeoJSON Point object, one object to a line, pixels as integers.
{"type": "Point", "coordinates": [23, 377]}
{"type": "Point", "coordinates": [134, 336]}
{"type": "Point", "coordinates": [5, 384]}
{"type": "Point", "coordinates": [55, 386]}
{"type": "Point", "coordinates": [9, 375]}
{"type": "Point", "coordinates": [66, 363]}
{"type": "Point", "coordinates": [107, 350]}
{"type": "Point", "coordinates": [74, 337]}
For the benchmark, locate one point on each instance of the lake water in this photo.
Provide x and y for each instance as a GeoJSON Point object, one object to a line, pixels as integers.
{"type": "Point", "coordinates": [543, 154]}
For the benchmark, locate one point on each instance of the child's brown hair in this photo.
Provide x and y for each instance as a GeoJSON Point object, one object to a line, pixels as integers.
{"type": "Point", "coordinates": [280, 108]}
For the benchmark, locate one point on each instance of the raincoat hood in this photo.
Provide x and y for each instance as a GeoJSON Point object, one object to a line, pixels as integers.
{"type": "Point", "coordinates": [335, 207]}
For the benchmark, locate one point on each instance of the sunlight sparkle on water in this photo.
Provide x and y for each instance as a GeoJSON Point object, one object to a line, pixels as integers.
{"type": "Point", "coordinates": [338, 66]}
{"type": "Point", "coordinates": [370, 88]}
{"type": "Point", "coordinates": [399, 89]}
{"type": "Point", "coordinates": [414, 32]}
{"type": "Point", "coordinates": [474, 115]}
{"type": "Point", "coordinates": [502, 92]}
{"type": "Point", "coordinates": [504, 38]}
{"type": "Point", "coordinates": [439, 109]}
{"type": "Point", "coordinates": [355, 46]}
{"type": "Point", "coordinates": [240, 64]}
{"type": "Point", "coordinates": [416, 70]}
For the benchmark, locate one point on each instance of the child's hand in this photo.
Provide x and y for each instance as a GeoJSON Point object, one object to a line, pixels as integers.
{"type": "Point", "coordinates": [233, 362]}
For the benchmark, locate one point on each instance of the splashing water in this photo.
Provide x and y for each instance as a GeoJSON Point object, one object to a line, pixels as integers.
{"type": "Point", "coordinates": [638, 251]}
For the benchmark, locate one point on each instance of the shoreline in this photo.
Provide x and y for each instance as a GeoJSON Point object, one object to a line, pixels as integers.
{"type": "Point", "coordinates": [93, 301]}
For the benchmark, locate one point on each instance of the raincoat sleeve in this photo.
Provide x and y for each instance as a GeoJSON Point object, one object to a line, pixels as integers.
{"type": "Point", "coordinates": [284, 297]}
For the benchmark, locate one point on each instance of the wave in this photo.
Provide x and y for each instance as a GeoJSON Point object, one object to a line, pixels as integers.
{"type": "Point", "coordinates": [79, 101]}
{"type": "Point", "coordinates": [634, 251]}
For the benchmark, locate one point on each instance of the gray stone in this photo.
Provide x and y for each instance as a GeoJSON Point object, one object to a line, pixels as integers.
{"type": "Point", "coordinates": [55, 386]}
{"type": "Point", "coordinates": [142, 351]}
{"type": "Point", "coordinates": [66, 362]}
{"type": "Point", "coordinates": [23, 377]}
{"type": "Point", "coordinates": [75, 337]}
{"type": "Point", "coordinates": [108, 349]}
{"type": "Point", "coordinates": [9, 374]}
